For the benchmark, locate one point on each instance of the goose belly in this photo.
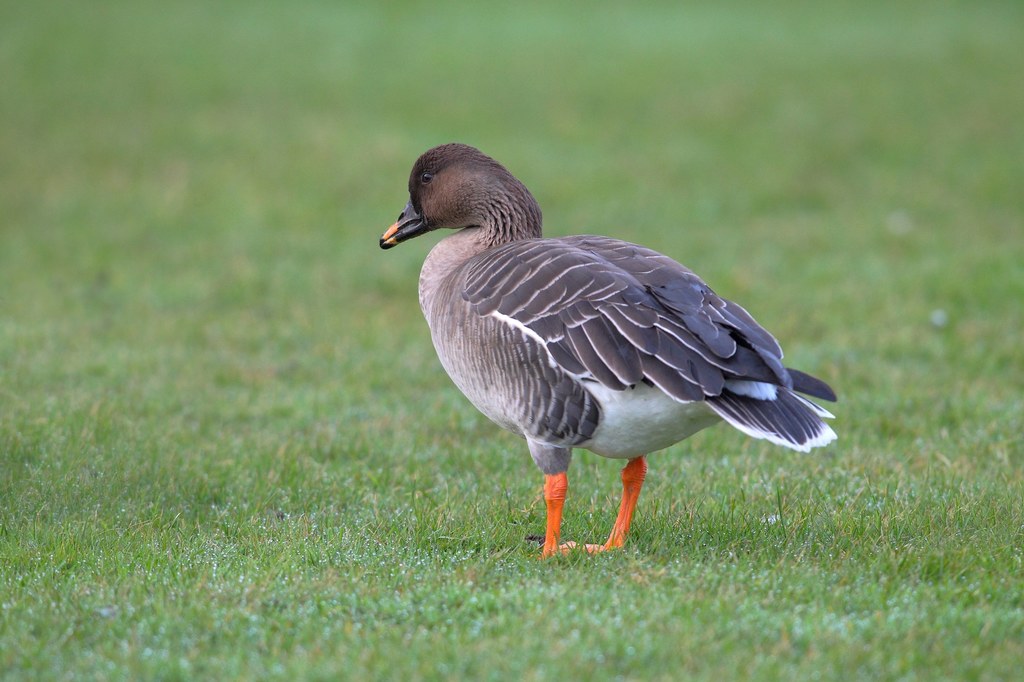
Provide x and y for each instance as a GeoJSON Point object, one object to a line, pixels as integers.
{"type": "Point", "coordinates": [642, 419]}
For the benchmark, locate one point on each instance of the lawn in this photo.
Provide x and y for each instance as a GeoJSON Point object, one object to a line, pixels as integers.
{"type": "Point", "coordinates": [227, 450]}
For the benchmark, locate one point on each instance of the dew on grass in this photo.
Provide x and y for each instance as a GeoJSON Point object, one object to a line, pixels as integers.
{"type": "Point", "coordinates": [899, 222]}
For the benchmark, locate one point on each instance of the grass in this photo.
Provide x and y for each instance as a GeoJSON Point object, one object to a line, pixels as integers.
{"type": "Point", "coordinates": [227, 450]}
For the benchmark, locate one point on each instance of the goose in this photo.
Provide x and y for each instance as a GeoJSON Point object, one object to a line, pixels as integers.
{"type": "Point", "coordinates": [587, 341]}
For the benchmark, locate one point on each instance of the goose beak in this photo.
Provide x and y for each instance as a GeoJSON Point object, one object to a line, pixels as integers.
{"type": "Point", "coordinates": [409, 224]}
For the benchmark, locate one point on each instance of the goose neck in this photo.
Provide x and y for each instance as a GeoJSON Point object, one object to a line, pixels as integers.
{"type": "Point", "coordinates": [511, 217]}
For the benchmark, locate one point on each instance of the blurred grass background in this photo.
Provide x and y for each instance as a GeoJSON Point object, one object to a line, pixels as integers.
{"type": "Point", "coordinates": [227, 450]}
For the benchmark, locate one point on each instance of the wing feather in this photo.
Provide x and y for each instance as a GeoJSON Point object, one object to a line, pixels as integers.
{"type": "Point", "coordinates": [620, 314]}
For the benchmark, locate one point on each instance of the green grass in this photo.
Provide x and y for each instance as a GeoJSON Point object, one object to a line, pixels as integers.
{"type": "Point", "coordinates": [227, 450]}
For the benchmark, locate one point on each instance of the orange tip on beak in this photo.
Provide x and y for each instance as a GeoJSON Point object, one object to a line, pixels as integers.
{"type": "Point", "coordinates": [388, 238]}
{"type": "Point", "coordinates": [409, 224]}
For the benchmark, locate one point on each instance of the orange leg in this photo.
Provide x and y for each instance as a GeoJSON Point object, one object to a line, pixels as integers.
{"type": "Point", "coordinates": [555, 486]}
{"type": "Point", "coordinates": [632, 480]}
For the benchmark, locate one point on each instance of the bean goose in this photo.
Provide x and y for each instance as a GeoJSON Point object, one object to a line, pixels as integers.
{"type": "Point", "coordinates": [587, 341]}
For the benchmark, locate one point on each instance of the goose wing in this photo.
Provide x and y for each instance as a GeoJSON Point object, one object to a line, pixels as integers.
{"type": "Point", "coordinates": [619, 314]}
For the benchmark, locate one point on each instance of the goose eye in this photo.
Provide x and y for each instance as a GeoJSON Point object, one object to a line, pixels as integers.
{"type": "Point", "coordinates": [426, 177]}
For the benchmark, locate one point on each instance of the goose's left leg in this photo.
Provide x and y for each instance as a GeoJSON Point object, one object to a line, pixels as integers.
{"type": "Point", "coordinates": [553, 461]}
{"type": "Point", "coordinates": [555, 486]}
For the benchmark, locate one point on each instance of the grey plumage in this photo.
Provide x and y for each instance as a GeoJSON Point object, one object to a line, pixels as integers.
{"type": "Point", "coordinates": [546, 335]}
{"type": "Point", "coordinates": [619, 314]}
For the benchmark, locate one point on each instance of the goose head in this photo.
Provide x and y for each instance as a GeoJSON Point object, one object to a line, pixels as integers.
{"type": "Point", "coordinates": [457, 186]}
